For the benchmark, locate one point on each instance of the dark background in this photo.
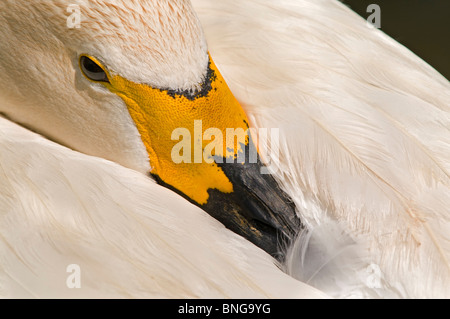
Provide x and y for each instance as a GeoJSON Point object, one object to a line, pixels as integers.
{"type": "Point", "coordinates": [423, 26]}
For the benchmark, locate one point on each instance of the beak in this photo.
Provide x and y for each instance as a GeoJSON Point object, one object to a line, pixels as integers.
{"type": "Point", "coordinates": [257, 209]}
{"type": "Point", "coordinates": [202, 169]}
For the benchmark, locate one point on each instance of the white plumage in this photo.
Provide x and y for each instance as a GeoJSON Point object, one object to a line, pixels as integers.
{"type": "Point", "coordinates": [130, 237]}
{"type": "Point", "coordinates": [365, 144]}
{"type": "Point", "coordinates": [365, 126]}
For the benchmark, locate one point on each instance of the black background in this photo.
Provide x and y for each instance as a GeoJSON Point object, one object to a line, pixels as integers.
{"type": "Point", "coordinates": [423, 26]}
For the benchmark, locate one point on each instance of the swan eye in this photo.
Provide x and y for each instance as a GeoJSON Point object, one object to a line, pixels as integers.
{"type": "Point", "coordinates": [92, 70]}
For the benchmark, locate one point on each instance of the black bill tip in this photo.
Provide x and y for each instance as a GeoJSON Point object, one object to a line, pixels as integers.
{"type": "Point", "coordinates": [257, 209]}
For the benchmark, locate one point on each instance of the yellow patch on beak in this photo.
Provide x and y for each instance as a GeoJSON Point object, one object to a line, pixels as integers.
{"type": "Point", "coordinates": [239, 195]}
{"type": "Point", "coordinates": [158, 113]}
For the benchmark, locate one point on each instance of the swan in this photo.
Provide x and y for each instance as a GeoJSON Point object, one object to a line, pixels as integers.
{"type": "Point", "coordinates": [130, 237]}
{"type": "Point", "coordinates": [364, 128]}
{"type": "Point", "coordinates": [91, 210]}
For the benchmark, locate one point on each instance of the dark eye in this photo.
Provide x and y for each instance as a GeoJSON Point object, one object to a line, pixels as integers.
{"type": "Point", "coordinates": [92, 70]}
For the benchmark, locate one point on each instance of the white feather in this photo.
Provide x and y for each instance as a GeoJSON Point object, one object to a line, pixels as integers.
{"type": "Point", "coordinates": [130, 236]}
{"type": "Point", "coordinates": [365, 148]}
{"type": "Point", "coordinates": [365, 127]}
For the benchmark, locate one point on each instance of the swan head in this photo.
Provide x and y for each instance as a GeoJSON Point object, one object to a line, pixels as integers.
{"type": "Point", "coordinates": [127, 84]}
